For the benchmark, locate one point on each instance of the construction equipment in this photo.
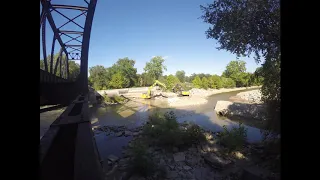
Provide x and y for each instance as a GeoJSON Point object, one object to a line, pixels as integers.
{"type": "Point", "coordinates": [179, 90]}
{"type": "Point", "coordinates": [149, 95]}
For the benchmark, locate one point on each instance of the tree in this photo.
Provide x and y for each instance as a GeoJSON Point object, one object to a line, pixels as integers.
{"type": "Point", "coordinates": [155, 67]}
{"type": "Point", "coordinates": [205, 83]}
{"type": "Point", "coordinates": [181, 75]}
{"type": "Point", "coordinates": [215, 82]}
{"type": "Point", "coordinates": [126, 67]}
{"type": "Point", "coordinates": [256, 78]}
{"type": "Point", "coordinates": [197, 83]}
{"type": "Point", "coordinates": [171, 81]}
{"type": "Point", "coordinates": [98, 77]}
{"type": "Point", "coordinates": [243, 27]}
{"type": "Point", "coordinates": [236, 70]}
{"type": "Point", "coordinates": [117, 81]}
{"type": "Point", "coordinates": [147, 80]}
{"type": "Point", "coordinates": [228, 82]}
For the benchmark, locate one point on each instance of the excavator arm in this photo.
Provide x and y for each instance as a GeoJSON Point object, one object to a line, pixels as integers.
{"type": "Point", "coordinates": [148, 95]}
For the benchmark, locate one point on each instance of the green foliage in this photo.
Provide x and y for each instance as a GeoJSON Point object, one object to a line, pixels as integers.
{"type": "Point", "coordinates": [155, 67]}
{"type": "Point", "coordinates": [147, 80]}
{"type": "Point", "coordinates": [201, 75]}
{"type": "Point", "coordinates": [98, 77]}
{"type": "Point", "coordinates": [271, 93]}
{"type": "Point", "coordinates": [118, 81]}
{"type": "Point", "coordinates": [215, 82]}
{"type": "Point", "coordinates": [243, 27]}
{"type": "Point", "coordinates": [126, 67]}
{"type": "Point", "coordinates": [236, 70]}
{"type": "Point", "coordinates": [228, 82]}
{"type": "Point", "coordinates": [141, 162]}
{"type": "Point", "coordinates": [74, 68]}
{"type": "Point", "coordinates": [171, 81]}
{"type": "Point", "coordinates": [197, 83]}
{"type": "Point", "coordinates": [181, 75]}
{"type": "Point", "coordinates": [192, 135]}
{"type": "Point", "coordinates": [204, 83]}
{"type": "Point", "coordinates": [164, 128]}
{"type": "Point", "coordinates": [235, 138]}
{"type": "Point", "coordinates": [256, 79]}
{"type": "Point", "coordinates": [113, 99]}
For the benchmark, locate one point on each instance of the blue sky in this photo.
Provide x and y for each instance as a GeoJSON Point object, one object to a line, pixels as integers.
{"type": "Point", "coordinates": [141, 29]}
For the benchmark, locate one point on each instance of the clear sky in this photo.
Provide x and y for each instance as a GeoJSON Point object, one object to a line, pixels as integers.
{"type": "Point", "coordinates": [140, 29]}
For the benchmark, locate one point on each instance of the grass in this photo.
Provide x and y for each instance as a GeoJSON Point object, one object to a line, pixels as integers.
{"type": "Point", "coordinates": [163, 130]}
{"type": "Point", "coordinates": [235, 138]}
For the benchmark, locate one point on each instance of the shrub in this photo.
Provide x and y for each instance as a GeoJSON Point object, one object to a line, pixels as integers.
{"type": "Point", "coordinates": [119, 99]}
{"type": "Point", "coordinates": [193, 134]}
{"type": "Point", "coordinates": [164, 131]}
{"type": "Point", "coordinates": [235, 138]}
{"type": "Point", "coordinates": [107, 99]}
{"type": "Point", "coordinates": [141, 162]}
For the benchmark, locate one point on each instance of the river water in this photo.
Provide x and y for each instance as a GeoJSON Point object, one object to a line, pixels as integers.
{"type": "Point", "coordinates": [135, 112]}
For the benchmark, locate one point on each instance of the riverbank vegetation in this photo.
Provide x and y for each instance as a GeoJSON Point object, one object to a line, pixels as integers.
{"type": "Point", "coordinates": [123, 74]}
{"type": "Point", "coordinates": [165, 149]}
{"type": "Point", "coordinates": [115, 99]}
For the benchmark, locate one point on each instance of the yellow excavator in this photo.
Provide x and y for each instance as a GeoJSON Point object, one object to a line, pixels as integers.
{"type": "Point", "coordinates": [179, 90]}
{"type": "Point", "coordinates": [148, 95]}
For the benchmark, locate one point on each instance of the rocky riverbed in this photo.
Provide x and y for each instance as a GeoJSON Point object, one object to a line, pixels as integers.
{"type": "Point", "coordinates": [246, 106]}
{"type": "Point", "coordinates": [202, 161]}
{"type": "Point", "coordinates": [253, 96]}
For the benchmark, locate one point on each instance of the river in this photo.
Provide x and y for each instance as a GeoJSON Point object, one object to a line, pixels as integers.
{"type": "Point", "coordinates": [135, 112]}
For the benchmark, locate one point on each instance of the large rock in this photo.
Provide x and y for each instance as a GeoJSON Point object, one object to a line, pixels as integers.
{"type": "Point", "coordinates": [227, 108]}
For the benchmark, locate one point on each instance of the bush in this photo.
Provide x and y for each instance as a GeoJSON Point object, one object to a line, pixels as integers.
{"type": "Point", "coordinates": [164, 130]}
{"type": "Point", "coordinates": [119, 99]}
{"type": "Point", "coordinates": [235, 138]}
{"type": "Point", "coordinates": [141, 162]}
{"type": "Point", "coordinates": [193, 134]}
{"type": "Point", "coordinates": [107, 99]}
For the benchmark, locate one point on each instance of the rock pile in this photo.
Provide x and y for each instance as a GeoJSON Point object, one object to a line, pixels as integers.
{"type": "Point", "coordinates": [253, 96]}
{"type": "Point", "coordinates": [227, 108]}
{"type": "Point", "coordinates": [199, 161]}
{"type": "Point", "coordinates": [118, 131]}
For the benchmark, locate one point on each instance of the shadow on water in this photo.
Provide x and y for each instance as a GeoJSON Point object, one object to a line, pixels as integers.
{"type": "Point", "coordinates": [136, 112]}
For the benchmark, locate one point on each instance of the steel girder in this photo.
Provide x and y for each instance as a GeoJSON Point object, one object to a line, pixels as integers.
{"type": "Point", "coordinates": [71, 50]}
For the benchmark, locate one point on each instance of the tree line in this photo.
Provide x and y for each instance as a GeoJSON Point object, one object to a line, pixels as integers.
{"type": "Point", "coordinates": [123, 74]}
{"type": "Point", "coordinates": [74, 68]}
